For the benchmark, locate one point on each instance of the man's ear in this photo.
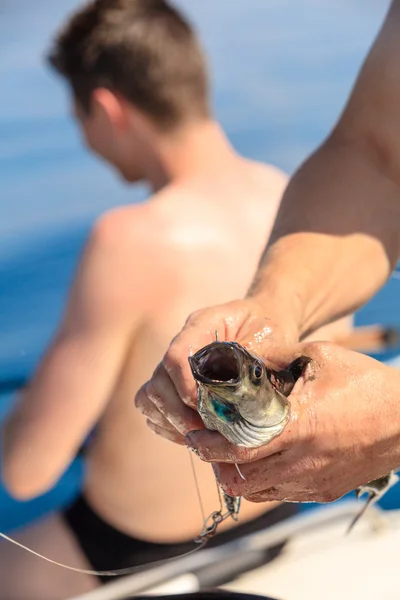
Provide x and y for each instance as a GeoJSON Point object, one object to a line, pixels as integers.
{"type": "Point", "coordinates": [112, 107]}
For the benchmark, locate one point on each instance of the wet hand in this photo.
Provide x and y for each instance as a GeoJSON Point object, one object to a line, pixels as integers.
{"type": "Point", "coordinates": [343, 432]}
{"type": "Point", "coordinates": [169, 399]}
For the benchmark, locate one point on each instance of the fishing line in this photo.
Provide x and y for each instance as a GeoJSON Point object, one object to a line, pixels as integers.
{"type": "Point", "coordinates": [196, 483]}
{"type": "Point", "coordinates": [112, 573]}
{"type": "Point", "coordinates": [116, 572]}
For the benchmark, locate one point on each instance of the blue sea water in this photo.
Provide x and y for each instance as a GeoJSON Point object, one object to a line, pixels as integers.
{"type": "Point", "coordinates": [281, 73]}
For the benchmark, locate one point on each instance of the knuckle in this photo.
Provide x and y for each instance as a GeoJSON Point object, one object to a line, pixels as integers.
{"type": "Point", "coordinates": [310, 464]}
{"type": "Point", "coordinates": [158, 372]}
{"type": "Point", "coordinates": [196, 316]}
{"type": "Point", "coordinates": [153, 396]}
{"type": "Point", "coordinates": [140, 399]}
{"type": "Point", "coordinates": [318, 351]}
{"type": "Point", "coordinates": [148, 408]}
{"type": "Point", "coordinates": [305, 469]}
{"type": "Point", "coordinates": [174, 340]}
{"type": "Point", "coordinates": [173, 358]}
{"type": "Point", "coordinates": [159, 382]}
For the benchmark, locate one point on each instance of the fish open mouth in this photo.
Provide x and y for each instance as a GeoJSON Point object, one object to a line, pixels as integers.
{"type": "Point", "coordinates": [216, 363]}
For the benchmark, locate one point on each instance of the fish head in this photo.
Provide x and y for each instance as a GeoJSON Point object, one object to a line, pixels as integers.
{"type": "Point", "coordinates": [239, 395]}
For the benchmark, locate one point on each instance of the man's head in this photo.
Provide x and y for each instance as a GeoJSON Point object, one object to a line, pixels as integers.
{"type": "Point", "coordinates": [135, 69]}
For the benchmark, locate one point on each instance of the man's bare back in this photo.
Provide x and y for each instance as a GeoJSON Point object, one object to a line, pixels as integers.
{"type": "Point", "coordinates": [196, 229]}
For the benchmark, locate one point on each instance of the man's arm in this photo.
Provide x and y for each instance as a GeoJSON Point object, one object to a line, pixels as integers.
{"type": "Point", "coordinates": [336, 237]}
{"type": "Point", "coordinates": [77, 376]}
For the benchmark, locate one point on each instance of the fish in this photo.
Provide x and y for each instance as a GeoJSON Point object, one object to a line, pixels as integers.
{"type": "Point", "coordinates": [240, 396]}
{"type": "Point", "coordinates": [243, 399]}
{"type": "Point", "coordinates": [247, 401]}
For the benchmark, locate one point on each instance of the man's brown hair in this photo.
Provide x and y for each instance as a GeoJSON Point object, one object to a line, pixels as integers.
{"type": "Point", "coordinates": [143, 49]}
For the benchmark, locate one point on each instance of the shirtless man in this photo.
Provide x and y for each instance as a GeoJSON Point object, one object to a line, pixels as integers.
{"type": "Point", "coordinates": [140, 95]}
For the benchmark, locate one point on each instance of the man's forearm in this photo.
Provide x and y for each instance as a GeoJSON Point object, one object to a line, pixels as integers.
{"type": "Point", "coordinates": [335, 239]}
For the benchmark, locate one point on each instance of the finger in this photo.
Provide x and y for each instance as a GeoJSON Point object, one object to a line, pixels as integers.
{"type": "Point", "coordinates": [211, 446]}
{"type": "Point", "coordinates": [200, 329]}
{"type": "Point", "coordinates": [286, 475]}
{"type": "Point", "coordinates": [172, 436]}
{"type": "Point", "coordinates": [194, 336]}
{"type": "Point", "coordinates": [266, 473]}
{"type": "Point", "coordinates": [148, 409]}
{"type": "Point", "coordinates": [161, 394]}
{"type": "Point", "coordinates": [271, 494]}
{"type": "Point", "coordinates": [283, 494]}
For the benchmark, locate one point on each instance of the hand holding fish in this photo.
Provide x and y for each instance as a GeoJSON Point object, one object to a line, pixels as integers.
{"type": "Point", "coordinates": [342, 432]}
{"type": "Point", "coordinates": [169, 399]}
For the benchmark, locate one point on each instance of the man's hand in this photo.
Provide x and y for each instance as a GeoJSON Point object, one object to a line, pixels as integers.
{"type": "Point", "coordinates": [343, 432]}
{"type": "Point", "coordinates": [169, 399]}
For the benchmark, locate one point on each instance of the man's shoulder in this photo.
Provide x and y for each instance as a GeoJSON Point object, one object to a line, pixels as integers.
{"type": "Point", "coordinates": [126, 230]}
{"type": "Point", "coordinates": [121, 264]}
{"type": "Point", "coordinates": [142, 223]}
{"type": "Point", "coordinates": [134, 236]}
{"type": "Point", "coordinates": [119, 227]}
{"type": "Point", "coordinates": [271, 176]}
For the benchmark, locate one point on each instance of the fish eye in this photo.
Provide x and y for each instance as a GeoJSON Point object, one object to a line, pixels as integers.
{"type": "Point", "coordinates": [256, 373]}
